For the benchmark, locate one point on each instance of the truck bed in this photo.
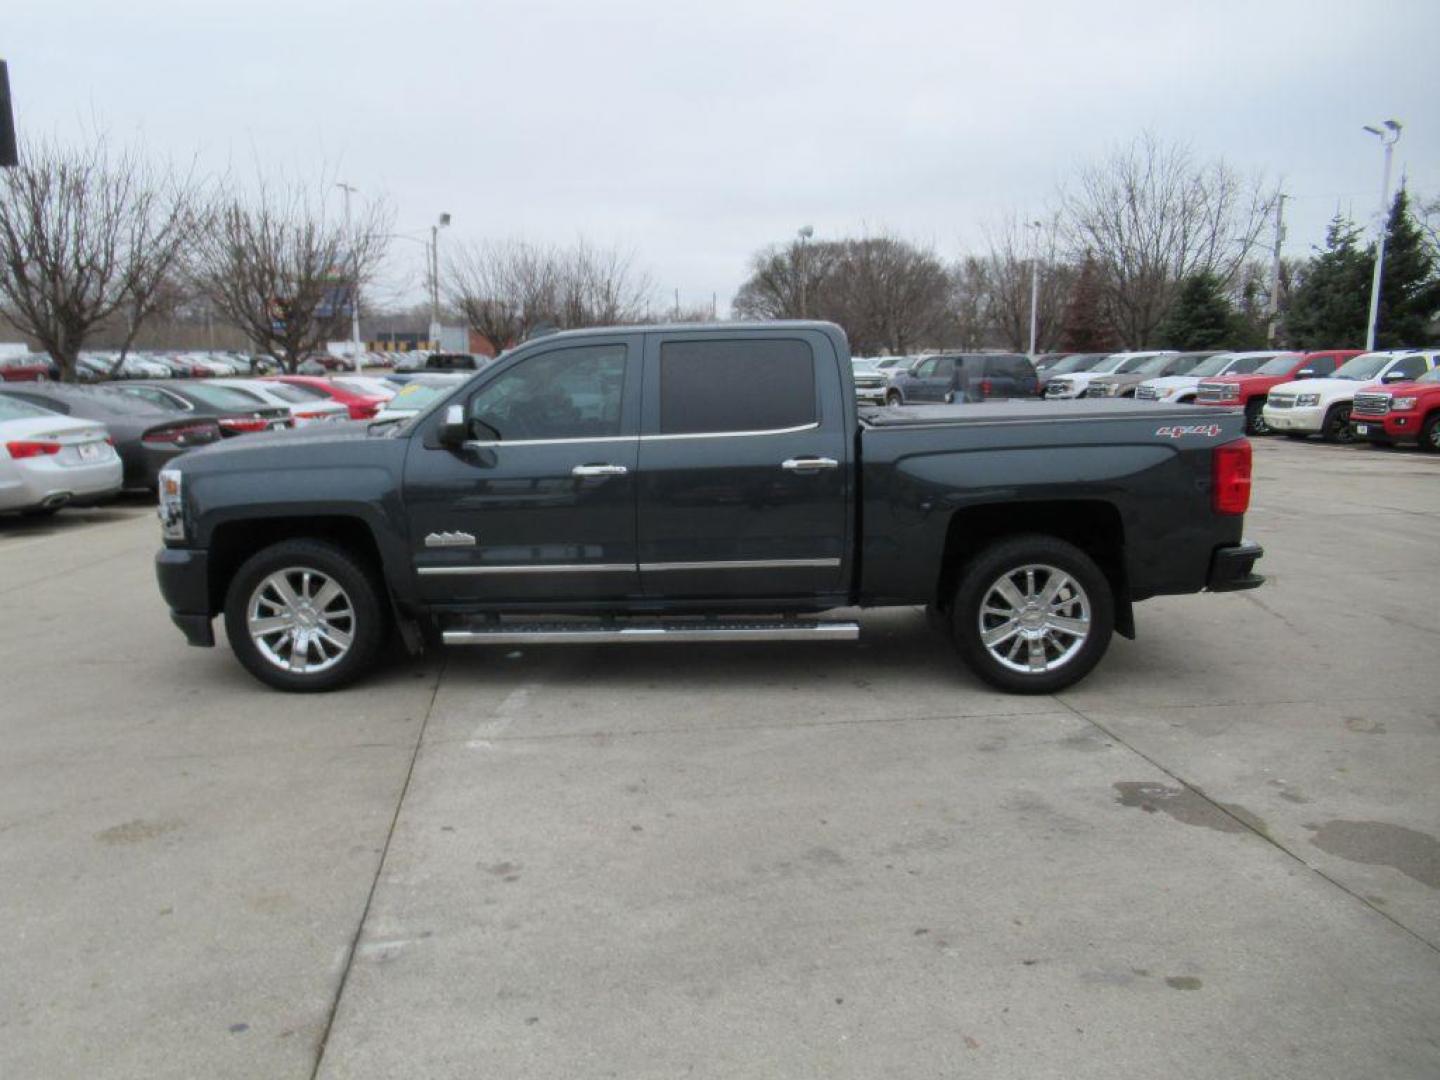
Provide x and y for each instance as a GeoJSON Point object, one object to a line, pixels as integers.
{"type": "Point", "coordinates": [1013, 410]}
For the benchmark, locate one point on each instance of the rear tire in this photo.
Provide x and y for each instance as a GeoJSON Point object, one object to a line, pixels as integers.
{"type": "Point", "coordinates": [305, 615]}
{"type": "Point", "coordinates": [1337, 425]}
{"type": "Point", "coordinates": [893, 397]}
{"type": "Point", "coordinates": [1033, 614]}
{"type": "Point", "coordinates": [1255, 417]}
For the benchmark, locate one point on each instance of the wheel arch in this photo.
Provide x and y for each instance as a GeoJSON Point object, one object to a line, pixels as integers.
{"type": "Point", "coordinates": [232, 542]}
{"type": "Point", "coordinates": [1092, 525]}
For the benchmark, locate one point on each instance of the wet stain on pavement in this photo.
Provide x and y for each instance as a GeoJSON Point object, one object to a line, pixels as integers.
{"type": "Point", "coordinates": [133, 832]}
{"type": "Point", "coordinates": [1183, 982]}
{"type": "Point", "coordinates": [1376, 843]}
{"type": "Point", "coordinates": [1188, 807]}
{"type": "Point", "coordinates": [1363, 725]}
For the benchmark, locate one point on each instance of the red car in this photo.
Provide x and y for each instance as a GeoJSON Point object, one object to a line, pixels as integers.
{"type": "Point", "coordinates": [363, 404]}
{"type": "Point", "coordinates": [1248, 391]}
{"type": "Point", "coordinates": [1401, 412]}
{"type": "Point", "coordinates": [35, 367]}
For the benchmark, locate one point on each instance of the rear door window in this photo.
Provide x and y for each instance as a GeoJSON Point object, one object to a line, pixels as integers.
{"type": "Point", "coordinates": [1412, 367]}
{"type": "Point", "coordinates": [707, 387]}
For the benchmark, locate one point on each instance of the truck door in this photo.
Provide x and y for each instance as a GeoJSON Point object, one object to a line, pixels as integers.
{"type": "Point", "coordinates": [745, 467]}
{"type": "Point", "coordinates": [539, 505]}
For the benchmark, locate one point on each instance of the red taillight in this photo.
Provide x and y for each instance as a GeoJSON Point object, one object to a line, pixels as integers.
{"type": "Point", "coordinates": [985, 387]}
{"type": "Point", "coordinates": [243, 423]}
{"type": "Point", "coordinates": [31, 448]}
{"type": "Point", "coordinates": [311, 415]}
{"type": "Point", "coordinates": [360, 410]}
{"type": "Point", "coordinates": [1230, 468]}
{"type": "Point", "coordinates": [182, 434]}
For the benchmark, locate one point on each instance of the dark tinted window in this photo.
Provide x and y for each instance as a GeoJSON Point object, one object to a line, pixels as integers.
{"type": "Point", "coordinates": [1246, 365]}
{"type": "Point", "coordinates": [1412, 367]}
{"type": "Point", "coordinates": [735, 386]}
{"type": "Point", "coordinates": [1015, 367]}
{"type": "Point", "coordinates": [1322, 365]}
{"type": "Point", "coordinates": [565, 394]}
{"type": "Point", "coordinates": [45, 403]}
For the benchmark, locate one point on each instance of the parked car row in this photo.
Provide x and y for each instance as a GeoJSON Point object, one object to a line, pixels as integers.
{"type": "Point", "coordinates": [1338, 394]}
{"type": "Point", "coordinates": [66, 444]}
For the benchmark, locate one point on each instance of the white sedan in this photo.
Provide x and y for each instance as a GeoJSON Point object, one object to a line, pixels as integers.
{"type": "Point", "coordinates": [48, 460]}
{"type": "Point", "coordinates": [305, 408]}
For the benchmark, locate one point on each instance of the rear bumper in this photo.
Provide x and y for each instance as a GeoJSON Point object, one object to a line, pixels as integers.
{"type": "Point", "coordinates": [184, 583]}
{"type": "Point", "coordinates": [1232, 567]}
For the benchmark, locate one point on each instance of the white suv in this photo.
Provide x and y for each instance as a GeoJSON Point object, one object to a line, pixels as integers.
{"type": "Point", "coordinates": [1174, 389]}
{"type": "Point", "coordinates": [1322, 406]}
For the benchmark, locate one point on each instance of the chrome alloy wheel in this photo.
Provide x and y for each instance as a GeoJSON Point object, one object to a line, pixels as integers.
{"type": "Point", "coordinates": [1034, 619]}
{"type": "Point", "coordinates": [300, 620]}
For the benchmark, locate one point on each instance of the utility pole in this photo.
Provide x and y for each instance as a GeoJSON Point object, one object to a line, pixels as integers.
{"type": "Point", "coordinates": [354, 280]}
{"type": "Point", "coordinates": [1388, 138]}
{"type": "Point", "coordinates": [1272, 309]}
{"type": "Point", "coordinates": [442, 222]}
{"type": "Point", "coordinates": [1034, 286]}
{"type": "Point", "coordinates": [805, 233]}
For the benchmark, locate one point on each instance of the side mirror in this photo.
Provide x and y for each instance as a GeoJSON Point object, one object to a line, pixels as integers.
{"type": "Point", "coordinates": [1305, 373]}
{"type": "Point", "coordinates": [1394, 376]}
{"type": "Point", "coordinates": [451, 433]}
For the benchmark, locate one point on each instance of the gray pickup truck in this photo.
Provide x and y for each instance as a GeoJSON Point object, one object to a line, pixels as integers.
{"type": "Point", "coordinates": [698, 484]}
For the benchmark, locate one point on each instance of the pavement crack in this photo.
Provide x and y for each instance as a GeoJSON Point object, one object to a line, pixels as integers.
{"type": "Point", "coordinates": [1247, 825]}
{"type": "Point", "coordinates": [352, 949]}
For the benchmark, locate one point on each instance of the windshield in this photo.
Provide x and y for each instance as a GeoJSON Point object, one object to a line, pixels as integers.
{"type": "Point", "coordinates": [1280, 365]}
{"type": "Point", "coordinates": [286, 392]}
{"type": "Point", "coordinates": [1362, 367]}
{"type": "Point", "coordinates": [222, 397]}
{"type": "Point", "coordinates": [1214, 366]}
{"type": "Point", "coordinates": [305, 390]}
{"type": "Point", "coordinates": [1072, 364]}
{"type": "Point", "coordinates": [863, 365]}
{"type": "Point", "coordinates": [1137, 363]}
{"type": "Point", "coordinates": [1112, 364]}
{"type": "Point", "coordinates": [372, 387]}
{"type": "Point", "coordinates": [11, 409]}
{"type": "Point", "coordinates": [1156, 365]}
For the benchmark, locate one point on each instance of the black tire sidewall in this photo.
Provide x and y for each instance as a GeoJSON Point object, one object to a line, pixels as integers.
{"type": "Point", "coordinates": [1255, 417]}
{"type": "Point", "coordinates": [1336, 428]}
{"type": "Point", "coordinates": [1428, 432]}
{"type": "Point", "coordinates": [371, 624]}
{"type": "Point", "coordinates": [981, 573]}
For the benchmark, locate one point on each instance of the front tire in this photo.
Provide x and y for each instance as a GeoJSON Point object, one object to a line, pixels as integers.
{"type": "Point", "coordinates": [1255, 417]}
{"type": "Point", "coordinates": [893, 398]}
{"type": "Point", "coordinates": [1033, 614]}
{"type": "Point", "coordinates": [305, 615]}
{"type": "Point", "coordinates": [1430, 434]}
{"type": "Point", "coordinates": [1337, 425]}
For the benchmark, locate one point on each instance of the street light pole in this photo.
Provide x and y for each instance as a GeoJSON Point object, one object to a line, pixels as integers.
{"type": "Point", "coordinates": [1388, 137]}
{"type": "Point", "coordinates": [805, 233]}
{"type": "Point", "coordinates": [1034, 286]}
{"type": "Point", "coordinates": [442, 222]}
{"type": "Point", "coordinates": [354, 280]}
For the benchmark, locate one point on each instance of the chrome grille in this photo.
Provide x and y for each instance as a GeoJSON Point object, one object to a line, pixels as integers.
{"type": "Point", "coordinates": [1280, 401]}
{"type": "Point", "coordinates": [1147, 393]}
{"type": "Point", "coordinates": [1216, 392]}
{"type": "Point", "coordinates": [1371, 405]}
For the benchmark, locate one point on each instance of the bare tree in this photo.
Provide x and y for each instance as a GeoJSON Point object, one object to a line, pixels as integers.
{"type": "Point", "coordinates": [886, 292]}
{"type": "Point", "coordinates": [1152, 216]}
{"type": "Point", "coordinates": [505, 290]}
{"type": "Point", "coordinates": [85, 234]}
{"type": "Point", "coordinates": [283, 270]}
{"type": "Point", "coordinates": [1016, 250]}
{"type": "Point", "coordinates": [969, 303]}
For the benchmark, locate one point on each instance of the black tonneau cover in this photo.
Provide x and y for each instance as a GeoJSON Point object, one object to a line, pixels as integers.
{"type": "Point", "coordinates": [1020, 409]}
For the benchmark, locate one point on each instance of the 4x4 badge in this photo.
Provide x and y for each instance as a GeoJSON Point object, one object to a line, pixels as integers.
{"type": "Point", "coordinates": [450, 539]}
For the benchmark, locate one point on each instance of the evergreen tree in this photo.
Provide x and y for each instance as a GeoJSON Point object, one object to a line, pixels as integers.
{"type": "Point", "coordinates": [1409, 285]}
{"type": "Point", "coordinates": [1084, 327]}
{"type": "Point", "coordinates": [1331, 306]}
{"type": "Point", "coordinates": [1201, 316]}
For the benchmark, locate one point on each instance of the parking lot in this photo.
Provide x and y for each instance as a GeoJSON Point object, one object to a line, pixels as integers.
{"type": "Point", "coordinates": [1219, 856]}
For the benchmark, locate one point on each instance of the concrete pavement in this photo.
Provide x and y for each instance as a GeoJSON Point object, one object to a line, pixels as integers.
{"type": "Point", "coordinates": [1216, 857]}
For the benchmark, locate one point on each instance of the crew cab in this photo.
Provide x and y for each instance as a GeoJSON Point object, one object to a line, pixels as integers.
{"type": "Point", "coordinates": [1402, 412]}
{"type": "Point", "coordinates": [698, 484]}
{"type": "Point", "coordinates": [1248, 391]}
{"type": "Point", "coordinates": [1322, 406]}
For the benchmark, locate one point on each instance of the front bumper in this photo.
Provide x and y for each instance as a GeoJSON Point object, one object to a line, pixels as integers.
{"type": "Point", "coordinates": [184, 580]}
{"type": "Point", "coordinates": [1309, 420]}
{"type": "Point", "coordinates": [1232, 567]}
{"type": "Point", "coordinates": [870, 395]}
{"type": "Point", "coordinates": [1392, 427]}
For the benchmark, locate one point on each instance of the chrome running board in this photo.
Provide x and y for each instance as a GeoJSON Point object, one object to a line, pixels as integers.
{"type": "Point", "coordinates": [641, 632]}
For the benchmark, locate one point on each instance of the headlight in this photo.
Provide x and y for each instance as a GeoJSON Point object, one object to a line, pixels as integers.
{"type": "Point", "coordinates": [1402, 404]}
{"type": "Point", "coordinates": [1230, 392]}
{"type": "Point", "coordinates": [171, 509]}
{"type": "Point", "coordinates": [1306, 400]}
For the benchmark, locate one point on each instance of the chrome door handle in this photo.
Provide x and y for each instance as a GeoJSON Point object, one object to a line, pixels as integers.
{"type": "Point", "coordinates": [809, 464]}
{"type": "Point", "coordinates": [599, 470]}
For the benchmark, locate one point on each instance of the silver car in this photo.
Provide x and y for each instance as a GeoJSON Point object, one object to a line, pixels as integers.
{"type": "Point", "coordinates": [49, 460]}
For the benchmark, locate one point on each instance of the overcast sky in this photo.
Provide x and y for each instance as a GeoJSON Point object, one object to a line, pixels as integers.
{"type": "Point", "coordinates": [694, 134]}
